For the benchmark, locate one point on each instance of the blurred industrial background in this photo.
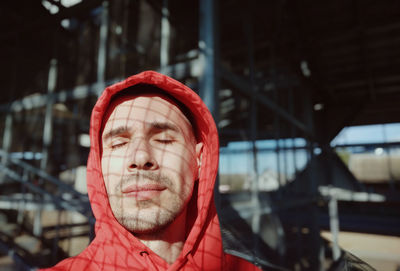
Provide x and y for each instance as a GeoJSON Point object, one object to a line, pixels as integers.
{"type": "Point", "coordinates": [285, 81]}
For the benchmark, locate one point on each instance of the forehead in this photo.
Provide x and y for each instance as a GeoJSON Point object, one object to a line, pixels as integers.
{"type": "Point", "coordinates": [144, 108]}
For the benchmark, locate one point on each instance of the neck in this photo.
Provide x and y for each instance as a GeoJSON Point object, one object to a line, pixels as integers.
{"type": "Point", "coordinates": [167, 243]}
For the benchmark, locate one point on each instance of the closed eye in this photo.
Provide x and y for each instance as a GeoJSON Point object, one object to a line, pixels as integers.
{"type": "Point", "coordinates": [165, 141]}
{"type": "Point", "coordinates": [117, 143]}
{"type": "Point", "coordinates": [164, 137]}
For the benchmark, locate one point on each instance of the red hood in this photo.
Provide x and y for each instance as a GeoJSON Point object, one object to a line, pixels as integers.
{"type": "Point", "coordinates": [207, 134]}
{"type": "Point", "coordinates": [203, 229]}
{"type": "Point", "coordinates": [114, 247]}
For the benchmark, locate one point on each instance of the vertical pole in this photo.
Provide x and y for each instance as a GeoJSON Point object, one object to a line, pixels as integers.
{"type": "Point", "coordinates": [8, 124]}
{"type": "Point", "coordinates": [276, 119]}
{"type": "Point", "coordinates": [102, 53]}
{"type": "Point", "coordinates": [47, 137]}
{"type": "Point", "coordinates": [207, 80]}
{"type": "Point", "coordinates": [255, 223]}
{"type": "Point", "coordinates": [48, 119]}
{"type": "Point", "coordinates": [392, 184]}
{"type": "Point", "coordinates": [295, 151]}
{"type": "Point", "coordinates": [207, 56]}
{"type": "Point", "coordinates": [125, 33]}
{"type": "Point", "coordinates": [22, 203]}
{"type": "Point", "coordinates": [7, 136]}
{"type": "Point", "coordinates": [56, 239]}
{"type": "Point", "coordinates": [334, 225]}
{"type": "Point", "coordinates": [292, 131]}
{"type": "Point", "coordinates": [165, 33]}
{"type": "Point", "coordinates": [315, 240]}
{"type": "Point", "coordinates": [298, 243]}
{"type": "Point", "coordinates": [277, 134]}
{"type": "Point", "coordinates": [285, 160]}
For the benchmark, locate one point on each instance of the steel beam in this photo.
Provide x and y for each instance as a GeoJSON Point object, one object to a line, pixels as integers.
{"type": "Point", "coordinates": [165, 35]}
{"type": "Point", "coordinates": [369, 145]}
{"type": "Point", "coordinates": [7, 135]}
{"type": "Point", "coordinates": [48, 119]}
{"type": "Point", "coordinates": [40, 100]}
{"type": "Point", "coordinates": [244, 87]}
{"type": "Point", "coordinates": [179, 70]}
{"type": "Point", "coordinates": [61, 202]}
{"type": "Point", "coordinates": [253, 127]}
{"type": "Point", "coordinates": [207, 79]}
{"type": "Point", "coordinates": [102, 53]}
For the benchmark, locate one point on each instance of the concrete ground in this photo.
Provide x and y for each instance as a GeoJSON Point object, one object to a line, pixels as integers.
{"type": "Point", "coordinates": [379, 251]}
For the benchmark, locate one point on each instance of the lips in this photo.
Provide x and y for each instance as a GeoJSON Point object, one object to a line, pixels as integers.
{"type": "Point", "coordinates": [143, 191]}
{"type": "Point", "coordinates": [143, 187]}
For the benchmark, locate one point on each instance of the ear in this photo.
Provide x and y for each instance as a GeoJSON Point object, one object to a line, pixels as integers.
{"type": "Point", "coordinates": [199, 156]}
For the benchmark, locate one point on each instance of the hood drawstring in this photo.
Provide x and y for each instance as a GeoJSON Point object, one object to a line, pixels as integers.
{"type": "Point", "coordinates": [191, 261]}
{"type": "Point", "coordinates": [149, 261]}
{"type": "Point", "coordinates": [187, 261]}
{"type": "Point", "coordinates": [144, 252]}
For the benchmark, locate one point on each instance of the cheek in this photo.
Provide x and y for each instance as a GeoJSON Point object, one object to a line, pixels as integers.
{"type": "Point", "coordinates": [112, 163]}
{"type": "Point", "coordinates": [111, 169]}
{"type": "Point", "coordinates": [181, 161]}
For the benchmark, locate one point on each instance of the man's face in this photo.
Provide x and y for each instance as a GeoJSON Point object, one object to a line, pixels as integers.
{"type": "Point", "coordinates": [150, 159]}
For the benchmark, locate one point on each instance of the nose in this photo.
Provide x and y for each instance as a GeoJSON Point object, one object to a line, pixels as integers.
{"type": "Point", "coordinates": [141, 156]}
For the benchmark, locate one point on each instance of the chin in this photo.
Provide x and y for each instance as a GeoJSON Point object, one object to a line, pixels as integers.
{"type": "Point", "coordinates": [147, 218]}
{"type": "Point", "coordinates": [145, 227]}
{"type": "Point", "coordinates": [145, 224]}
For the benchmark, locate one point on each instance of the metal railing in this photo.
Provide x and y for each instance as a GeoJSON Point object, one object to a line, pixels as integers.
{"type": "Point", "coordinates": [63, 197]}
{"type": "Point", "coordinates": [39, 191]}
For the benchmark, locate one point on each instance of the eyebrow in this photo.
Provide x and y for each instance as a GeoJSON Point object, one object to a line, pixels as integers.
{"type": "Point", "coordinates": [164, 126]}
{"type": "Point", "coordinates": [156, 125]}
{"type": "Point", "coordinates": [114, 132]}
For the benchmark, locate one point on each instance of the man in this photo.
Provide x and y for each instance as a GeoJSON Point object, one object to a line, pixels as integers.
{"type": "Point", "coordinates": [151, 174]}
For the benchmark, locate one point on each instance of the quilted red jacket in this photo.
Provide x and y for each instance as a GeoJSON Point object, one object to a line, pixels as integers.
{"type": "Point", "coordinates": [114, 247]}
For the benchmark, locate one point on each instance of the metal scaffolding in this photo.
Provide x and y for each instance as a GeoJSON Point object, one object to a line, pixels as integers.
{"type": "Point", "coordinates": [243, 69]}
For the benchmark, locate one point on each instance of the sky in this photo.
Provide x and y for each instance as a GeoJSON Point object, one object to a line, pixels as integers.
{"type": "Point", "coordinates": [368, 134]}
{"type": "Point", "coordinates": [241, 161]}
{"type": "Point", "coordinates": [237, 157]}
